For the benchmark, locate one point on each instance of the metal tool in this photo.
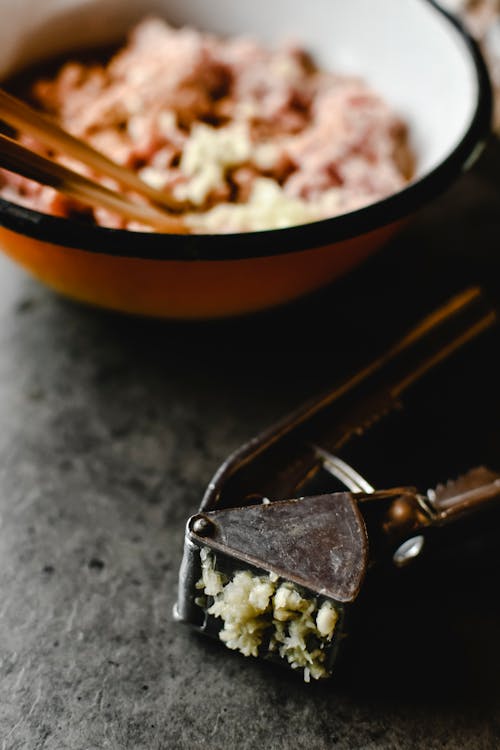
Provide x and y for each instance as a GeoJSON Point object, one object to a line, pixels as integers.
{"type": "Point", "coordinates": [290, 530]}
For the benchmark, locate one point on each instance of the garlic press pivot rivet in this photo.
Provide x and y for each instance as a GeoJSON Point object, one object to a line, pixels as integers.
{"type": "Point", "coordinates": [202, 526]}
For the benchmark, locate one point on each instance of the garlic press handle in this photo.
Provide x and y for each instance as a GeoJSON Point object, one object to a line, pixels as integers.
{"type": "Point", "coordinates": [278, 463]}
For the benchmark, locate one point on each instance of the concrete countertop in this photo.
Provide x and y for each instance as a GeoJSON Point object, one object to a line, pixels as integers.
{"type": "Point", "coordinates": [110, 430]}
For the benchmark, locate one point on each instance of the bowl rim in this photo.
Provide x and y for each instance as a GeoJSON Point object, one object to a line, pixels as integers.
{"type": "Point", "coordinates": [72, 234]}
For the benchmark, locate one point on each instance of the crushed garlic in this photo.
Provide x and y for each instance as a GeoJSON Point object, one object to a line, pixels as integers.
{"type": "Point", "coordinates": [260, 612]}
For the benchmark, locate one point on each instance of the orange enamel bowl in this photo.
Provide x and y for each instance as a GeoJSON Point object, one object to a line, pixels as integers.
{"type": "Point", "coordinates": [203, 276]}
{"type": "Point", "coordinates": [186, 289]}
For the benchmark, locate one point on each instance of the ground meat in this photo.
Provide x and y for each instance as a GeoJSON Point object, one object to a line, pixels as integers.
{"type": "Point", "coordinates": [222, 125]}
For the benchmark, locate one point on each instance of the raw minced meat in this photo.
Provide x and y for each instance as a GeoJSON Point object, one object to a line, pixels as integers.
{"type": "Point", "coordinates": [241, 137]}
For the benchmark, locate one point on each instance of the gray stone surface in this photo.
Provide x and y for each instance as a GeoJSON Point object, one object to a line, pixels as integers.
{"type": "Point", "coordinates": [111, 428]}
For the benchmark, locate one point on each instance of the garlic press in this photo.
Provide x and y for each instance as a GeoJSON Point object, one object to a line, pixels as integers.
{"type": "Point", "coordinates": [368, 479]}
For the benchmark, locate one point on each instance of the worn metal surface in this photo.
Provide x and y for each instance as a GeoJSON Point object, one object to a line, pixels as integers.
{"type": "Point", "coordinates": [318, 542]}
{"type": "Point", "coordinates": [111, 429]}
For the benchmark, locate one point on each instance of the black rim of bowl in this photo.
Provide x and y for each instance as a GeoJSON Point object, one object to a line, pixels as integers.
{"type": "Point", "coordinates": [70, 233]}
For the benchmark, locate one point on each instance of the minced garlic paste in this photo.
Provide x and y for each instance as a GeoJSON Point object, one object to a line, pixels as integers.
{"type": "Point", "coordinates": [262, 612]}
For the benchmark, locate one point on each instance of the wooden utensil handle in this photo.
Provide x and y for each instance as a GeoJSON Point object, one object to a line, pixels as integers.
{"type": "Point", "coordinates": [18, 159]}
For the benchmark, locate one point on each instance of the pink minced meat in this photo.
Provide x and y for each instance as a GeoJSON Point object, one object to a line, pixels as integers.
{"type": "Point", "coordinates": [324, 133]}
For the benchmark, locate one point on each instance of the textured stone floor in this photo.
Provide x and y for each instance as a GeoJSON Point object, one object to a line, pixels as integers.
{"type": "Point", "coordinates": [110, 430]}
